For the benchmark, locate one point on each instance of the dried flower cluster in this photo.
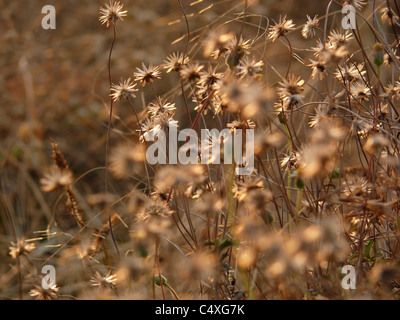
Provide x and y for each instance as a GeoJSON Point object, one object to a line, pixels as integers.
{"type": "Point", "coordinates": [324, 106]}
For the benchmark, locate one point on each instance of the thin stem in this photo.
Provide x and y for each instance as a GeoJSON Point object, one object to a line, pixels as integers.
{"type": "Point", "coordinates": [108, 135]}
{"type": "Point", "coordinates": [291, 56]}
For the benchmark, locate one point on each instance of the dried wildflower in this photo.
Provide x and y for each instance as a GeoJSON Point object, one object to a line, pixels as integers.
{"type": "Point", "coordinates": [350, 74]}
{"type": "Point", "coordinates": [191, 72]}
{"type": "Point", "coordinates": [318, 69]}
{"type": "Point", "coordinates": [387, 58]}
{"type": "Point", "coordinates": [319, 48]}
{"type": "Point", "coordinates": [126, 159]}
{"type": "Point", "coordinates": [242, 125]}
{"type": "Point", "coordinates": [361, 128]}
{"type": "Point", "coordinates": [154, 208]}
{"type": "Point", "coordinates": [208, 82]}
{"type": "Point", "coordinates": [280, 28]}
{"type": "Point", "coordinates": [44, 294]}
{"type": "Point", "coordinates": [290, 91]}
{"type": "Point", "coordinates": [238, 94]}
{"type": "Point", "coordinates": [337, 39]}
{"type": "Point", "coordinates": [392, 91]}
{"type": "Point", "coordinates": [360, 91]}
{"type": "Point", "coordinates": [389, 16]}
{"type": "Point", "coordinates": [359, 4]}
{"type": "Point", "coordinates": [375, 143]}
{"type": "Point", "coordinates": [216, 44]}
{"type": "Point", "coordinates": [159, 106]}
{"type": "Point", "coordinates": [291, 161]}
{"type": "Point", "coordinates": [125, 89]}
{"type": "Point", "coordinates": [108, 281]}
{"type": "Point", "coordinates": [237, 49]}
{"type": "Point", "coordinates": [319, 156]}
{"type": "Point", "coordinates": [180, 178]}
{"type": "Point", "coordinates": [250, 68]}
{"type": "Point", "coordinates": [320, 116]}
{"type": "Point", "coordinates": [55, 178]}
{"type": "Point", "coordinates": [147, 74]}
{"type": "Point", "coordinates": [310, 27]}
{"type": "Point", "coordinates": [329, 54]}
{"type": "Point", "coordinates": [22, 247]}
{"type": "Point", "coordinates": [112, 13]}
{"type": "Point", "coordinates": [175, 62]}
{"type": "Point", "coordinates": [241, 189]}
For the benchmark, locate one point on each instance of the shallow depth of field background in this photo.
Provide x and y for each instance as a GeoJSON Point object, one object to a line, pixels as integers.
{"type": "Point", "coordinates": [55, 86]}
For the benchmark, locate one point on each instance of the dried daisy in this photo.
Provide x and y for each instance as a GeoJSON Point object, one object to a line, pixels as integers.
{"type": "Point", "coordinates": [291, 162]}
{"type": "Point", "coordinates": [251, 68]}
{"type": "Point", "coordinates": [126, 159]}
{"type": "Point", "coordinates": [55, 178]}
{"type": "Point", "coordinates": [320, 116]}
{"type": "Point", "coordinates": [44, 294]}
{"type": "Point", "coordinates": [392, 91]}
{"type": "Point", "coordinates": [159, 106]}
{"type": "Point", "coordinates": [318, 69]}
{"type": "Point", "coordinates": [388, 60]}
{"type": "Point", "coordinates": [125, 89]}
{"type": "Point", "coordinates": [112, 13]}
{"type": "Point", "coordinates": [360, 91]}
{"type": "Point", "coordinates": [350, 74]}
{"type": "Point", "coordinates": [22, 247]}
{"type": "Point", "coordinates": [237, 49]}
{"type": "Point", "coordinates": [208, 81]}
{"type": "Point", "coordinates": [216, 43]}
{"type": "Point", "coordinates": [309, 29]}
{"type": "Point", "coordinates": [108, 281]}
{"type": "Point", "coordinates": [191, 72]}
{"type": "Point", "coordinates": [291, 90]}
{"type": "Point", "coordinates": [241, 190]}
{"type": "Point", "coordinates": [280, 29]}
{"type": "Point", "coordinates": [375, 143]}
{"type": "Point", "coordinates": [330, 54]}
{"type": "Point", "coordinates": [337, 39]}
{"type": "Point", "coordinates": [242, 125]}
{"type": "Point", "coordinates": [389, 16]}
{"type": "Point", "coordinates": [359, 4]}
{"type": "Point", "coordinates": [175, 62]}
{"type": "Point", "coordinates": [147, 74]}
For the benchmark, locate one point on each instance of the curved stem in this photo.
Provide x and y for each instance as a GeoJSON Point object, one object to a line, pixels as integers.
{"type": "Point", "coordinates": [291, 57]}
{"type": "Point", "coordinates": [108, 136]}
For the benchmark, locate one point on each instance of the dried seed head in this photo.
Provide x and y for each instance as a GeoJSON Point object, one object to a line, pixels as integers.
{"type": "Point", "coordinates": [112, 13]}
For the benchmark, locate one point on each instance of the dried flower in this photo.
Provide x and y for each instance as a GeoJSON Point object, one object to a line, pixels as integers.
{"type": "Point", "coordinates": [147, 74]}
{"type": "Point", "coordinates": [280, 28]}
{"type": "Point", "coordinates": [44, 294]}
{"type": "Point", "coordinates": [318, 69]}
{"type": "Point", "coordinates": [191, 72]}
{"type": "Point", "coordinates": [217, 43]}
{"type": "Point", "coordinates": [22, 247]}
{"type": "Point", "coordinates": [360, 91]}
{"type": "Point", "coordinates": [112, 13]}
{"type": "Point", "coordinates": [291, 90]}
{"type": "Point", "coordinates": [175, 62]}
{"type": "Point", "coordinates": [389, 16]}
{"type": "Point", "coordinates": [55, 178]}
{"type": "Point", "coordinates": [127, 159]}
{"type": "Point", "coordinates": [125, 89]}
{"type": "Point", "coordinates": [250, 68]}
{"type": "Point", "coordinates": [310, 27]}
{"type": "Point", "coordinates": [108, 281]}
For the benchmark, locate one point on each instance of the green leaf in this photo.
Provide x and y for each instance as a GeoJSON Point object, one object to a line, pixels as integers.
{"type": "Point", "coordinates": [367, 249]}
{"type": "Point", "coordinates": [157, 280]}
